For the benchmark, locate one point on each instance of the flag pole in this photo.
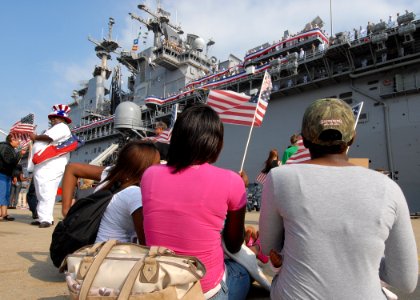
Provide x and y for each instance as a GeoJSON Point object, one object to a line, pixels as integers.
{"type": "Point", "coordinates": [250, 131]}
{"type": "Point", "coordinates": [247, 143]}
{"type": "Point", "coordinates": [255, 114]}
{"type": "Point", "coordinates": [357, 120]}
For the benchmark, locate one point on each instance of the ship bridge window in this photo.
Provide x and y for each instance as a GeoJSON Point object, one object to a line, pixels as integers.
{"type": "Point", "coordinates": [372, 82]}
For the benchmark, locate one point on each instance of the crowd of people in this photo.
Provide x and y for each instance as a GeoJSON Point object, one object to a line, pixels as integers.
{"type": "Point", "coordinates": [324, 239]}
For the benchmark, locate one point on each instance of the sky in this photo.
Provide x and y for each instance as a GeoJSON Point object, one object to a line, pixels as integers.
{"type": "Point", "coordinates": [45, 53]}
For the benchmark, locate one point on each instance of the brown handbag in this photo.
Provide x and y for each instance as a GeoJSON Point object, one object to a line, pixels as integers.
{"type": "Point", "coordinates": [115, 270]}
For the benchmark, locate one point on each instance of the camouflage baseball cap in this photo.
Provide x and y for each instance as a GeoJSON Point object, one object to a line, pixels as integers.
{"type": "Point", "coordinates": [328, 113]}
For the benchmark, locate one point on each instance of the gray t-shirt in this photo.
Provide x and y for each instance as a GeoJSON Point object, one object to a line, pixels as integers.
{"type": "Point", "coordinates": [345, 228]}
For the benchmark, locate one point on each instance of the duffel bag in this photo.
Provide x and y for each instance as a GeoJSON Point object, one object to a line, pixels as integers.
{"type": "Point", "coordinates": [114, 270]}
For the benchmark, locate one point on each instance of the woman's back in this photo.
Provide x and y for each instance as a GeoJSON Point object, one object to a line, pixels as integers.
{"type": "Point", "coordinates": [185, 211]}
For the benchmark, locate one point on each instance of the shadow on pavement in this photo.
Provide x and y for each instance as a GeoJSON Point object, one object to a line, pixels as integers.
{"type": "Point", "coordinates": [42, 268]}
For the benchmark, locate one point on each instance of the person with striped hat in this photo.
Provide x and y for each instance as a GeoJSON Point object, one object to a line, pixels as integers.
{"type": "Point", "coordinates": [48, 173]}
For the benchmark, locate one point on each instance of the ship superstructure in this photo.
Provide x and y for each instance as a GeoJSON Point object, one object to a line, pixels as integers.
{"type": "Point", "coordinates": [379, 67]}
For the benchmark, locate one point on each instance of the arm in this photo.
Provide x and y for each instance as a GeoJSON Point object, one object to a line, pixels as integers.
{"type": "Point", "coordinates": [399, 267]}
{"type": "Point", "coordinates": [234, 230]}
{"type": "Point", "coordinates": [10, 157]}
{"type": "Point", "coordinates": [244, 177]}
{"type": "Point", "coordinates": [41, 137]}
{"type": "Point", "coordinates": [271, 226]}
{"type": "Point", "coordinates": [137, 216]}
{"type": "Point", "coordinates": [72, 172]}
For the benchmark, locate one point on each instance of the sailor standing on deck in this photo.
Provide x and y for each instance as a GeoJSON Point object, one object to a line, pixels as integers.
{"type": "Point", "coordinates": [48, 174]}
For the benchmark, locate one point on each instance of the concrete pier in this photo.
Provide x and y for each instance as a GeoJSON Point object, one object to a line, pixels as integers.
{"type": "Point", "coordinates": [26, 271]}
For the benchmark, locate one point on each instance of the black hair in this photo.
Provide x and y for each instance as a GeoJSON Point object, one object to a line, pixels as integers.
{"type": "Point", "coordinates": [133, 159]}
{"type": "Point", "coordinates": [9, 138]}
{"type": "Point", "coordinates": [294, 138]}
{"type": "Point", "coordinates": [197, 137]}
{"type": "Point", "coordinates": [271, 162]}
{"type": "Point", "coordinates": [331, 135]}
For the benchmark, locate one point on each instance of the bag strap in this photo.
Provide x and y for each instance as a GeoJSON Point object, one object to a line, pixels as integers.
{"type": "Point", "coordinates": [149, 267]}
{"type": "Point", "coordinates": [90, 276]}
{"type": "Point", "coordinates": [130, 280]}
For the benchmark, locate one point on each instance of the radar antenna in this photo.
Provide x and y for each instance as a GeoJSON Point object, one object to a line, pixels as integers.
{"type": "Point", "coordinates": [103, 50]}
{"type": "Point", "coordinates": [155, 24]}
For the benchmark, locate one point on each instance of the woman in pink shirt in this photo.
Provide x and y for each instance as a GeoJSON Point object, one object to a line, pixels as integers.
{"type": "Point", "coordinates": [189, 205]}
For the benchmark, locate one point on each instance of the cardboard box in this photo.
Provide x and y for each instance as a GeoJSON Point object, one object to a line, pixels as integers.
{"type": "Point", "coordinates": [363, 162]}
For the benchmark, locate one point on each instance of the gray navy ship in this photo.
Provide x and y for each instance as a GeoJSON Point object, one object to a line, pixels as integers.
{"type": "Point", "coordinates": [379, 67]}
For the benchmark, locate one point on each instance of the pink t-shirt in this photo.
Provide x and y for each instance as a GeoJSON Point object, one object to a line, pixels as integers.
{"type": "Point", "coordinates": [186, 211]}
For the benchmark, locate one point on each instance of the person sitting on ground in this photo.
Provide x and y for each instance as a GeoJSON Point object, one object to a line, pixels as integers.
{"type": "Point", "coordinates": [121, 220]}
{"type": "Point", "coordinates": [342, 228]}
{"type": "Point", "coordinates": [292, 149]}
{"type": "Point", "coordinates": [252, 241]}
{"type": "Point", "coordinates": [199, 204]}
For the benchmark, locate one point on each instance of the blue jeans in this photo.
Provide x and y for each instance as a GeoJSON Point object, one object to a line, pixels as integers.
{"type": "Point", "coordinates": [237, 282]}
{"type": "Point", "coordinates": [5, 184]}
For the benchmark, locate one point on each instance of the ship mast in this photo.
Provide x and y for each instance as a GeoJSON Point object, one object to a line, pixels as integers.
{"type": "Point", "coordinates": [103, 50]}
{"type": "Point", "coordinates": [101, 73]}
{"type": "Point", "coordinates": [155, 24]}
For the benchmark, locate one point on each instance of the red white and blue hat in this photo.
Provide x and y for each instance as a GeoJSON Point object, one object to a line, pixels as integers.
{"type": "Point", "coordinates": [61, 111]}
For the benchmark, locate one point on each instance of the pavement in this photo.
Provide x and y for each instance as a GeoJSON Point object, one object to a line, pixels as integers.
{"type": "Point", "coordinates": [26, 271]}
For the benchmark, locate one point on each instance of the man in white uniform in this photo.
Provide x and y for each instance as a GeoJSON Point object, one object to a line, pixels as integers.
{"type": "Point", "coordinates": [48, 174]}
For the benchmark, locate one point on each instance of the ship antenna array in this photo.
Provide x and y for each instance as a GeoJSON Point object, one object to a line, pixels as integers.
{"type": "Point", "coordinates": [107, 45]}
{"type": "Point", "coordinates": [155, 24]}
{"type": "Point", "coordinates": [103, 50]}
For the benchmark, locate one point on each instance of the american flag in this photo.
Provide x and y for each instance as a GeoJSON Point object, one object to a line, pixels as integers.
{"type": "Point", "coordinates": [261, 178]}
{"type": "Point", "coordinates": [357, 109]}
{"type": "Point", "coordinates": [165, 136]}
{"type": "Point", "coordinates": [23, 128]}
{"type": "Point", "coordinates": [301, 155]}
{"type": "Point", "coordinates": [49, 152]}
{"type": "Point", "coordinates": [241, 109]}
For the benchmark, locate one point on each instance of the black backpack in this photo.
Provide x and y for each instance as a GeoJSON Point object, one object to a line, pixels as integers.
{"type": "Point", "coordinates": [80, 226]}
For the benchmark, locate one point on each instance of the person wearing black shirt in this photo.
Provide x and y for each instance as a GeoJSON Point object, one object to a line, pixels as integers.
{"type": "Point", "coordinates": [9, 159]}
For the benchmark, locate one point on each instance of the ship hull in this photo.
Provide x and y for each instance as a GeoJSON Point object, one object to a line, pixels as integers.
{"type": "Point", "coordinates": [394, 147]}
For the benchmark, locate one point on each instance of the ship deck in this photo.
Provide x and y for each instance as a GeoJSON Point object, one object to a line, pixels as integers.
{"type": "Point", "coordinates": [26, 271]}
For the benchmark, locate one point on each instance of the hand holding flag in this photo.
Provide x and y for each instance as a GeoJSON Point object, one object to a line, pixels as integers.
{"type": "Point", "coordinates": [23, 129]}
